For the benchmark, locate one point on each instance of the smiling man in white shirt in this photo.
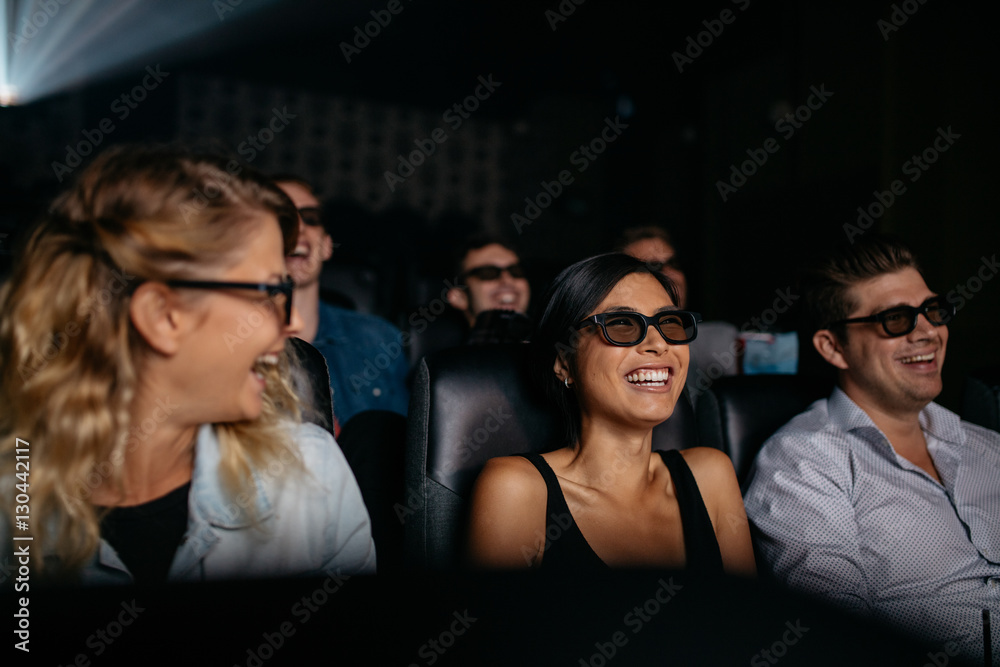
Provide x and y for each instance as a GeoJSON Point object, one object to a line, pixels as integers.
{"type": "Point", "coordinates": [878, 499]}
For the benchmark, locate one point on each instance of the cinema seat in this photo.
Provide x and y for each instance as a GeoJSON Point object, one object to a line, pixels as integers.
{"type": "Point", "coordinates": [311, 381]}
{"type": "Point", "coordinates": [737, 414]}
{"type": "Point", "coordinates": [981, 401]}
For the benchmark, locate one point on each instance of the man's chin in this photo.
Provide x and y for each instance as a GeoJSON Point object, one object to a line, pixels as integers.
{"type": "Point", "coordinates": [299, 270]}
{"type": "Point", "coordinates": [514, 306]}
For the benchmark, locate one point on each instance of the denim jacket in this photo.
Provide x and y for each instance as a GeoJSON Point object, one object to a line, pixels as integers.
{"type": "Point", "coordinates": [367, 359]}
{"type": "Point", "coordinates": [310, 525]}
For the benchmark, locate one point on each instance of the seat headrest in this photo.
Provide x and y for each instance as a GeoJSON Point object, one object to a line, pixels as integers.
{"type": "Point", "coordinates": [483, 403]}
{"type": "Point", "coordinates": [752, 407]}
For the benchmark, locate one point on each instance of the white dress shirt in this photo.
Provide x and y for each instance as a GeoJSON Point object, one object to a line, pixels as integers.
{"type": "Point", "coordinates": [838, 514]}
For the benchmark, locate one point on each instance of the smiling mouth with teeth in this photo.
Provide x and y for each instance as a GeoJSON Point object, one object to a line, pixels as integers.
{"type": "Point", "coordinates": [918, 358]}
{"type": "Point", "coordinates": [652, 378]}
{"type": "Point", "coordinates": [262, 363]}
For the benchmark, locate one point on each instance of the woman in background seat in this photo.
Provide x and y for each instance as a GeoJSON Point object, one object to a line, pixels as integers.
{"type": "Point", "coordinates": [611, 351]}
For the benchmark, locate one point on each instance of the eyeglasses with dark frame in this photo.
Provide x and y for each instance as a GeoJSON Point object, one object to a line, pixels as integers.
{"type": "Point", "coordinates": [490, 272]}
{"type": "Point", "coordinates": [286, 287]}
{"type": "Point", "coordinates": [657, 265]}
{"type": "Point", "coordinates": [901, 320]}
{"type": "Point", "coordinates": [311, 215]}
{"type": "Point", "coordinates": [626, 328]}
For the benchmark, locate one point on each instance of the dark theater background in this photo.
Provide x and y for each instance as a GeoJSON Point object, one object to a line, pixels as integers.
{"type": "Point", "coordinates": [700, 95]}
{"type": "Point", "coordinates": [758, 133]}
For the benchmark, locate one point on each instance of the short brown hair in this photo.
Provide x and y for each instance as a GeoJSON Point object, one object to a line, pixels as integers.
{"type": "Point", "coordinates": [634, 234]}
{"type": "Point", "coordinates": [827, 286]}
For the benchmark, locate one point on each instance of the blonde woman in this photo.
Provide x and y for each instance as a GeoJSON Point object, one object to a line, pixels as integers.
{"type": "Point", "coordinates": [145, 385]}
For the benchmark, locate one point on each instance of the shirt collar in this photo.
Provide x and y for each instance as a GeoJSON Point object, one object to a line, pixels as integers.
{"type": "Point", "coordinates": [935, 420]}
{"type": "Point", "coordinates": [211, 502]}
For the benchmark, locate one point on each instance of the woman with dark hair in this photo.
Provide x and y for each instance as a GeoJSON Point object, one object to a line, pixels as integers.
{"type": "Point", "coordinates": [611, 351]}
{"type": "Point", "coordinates": [145, 385]}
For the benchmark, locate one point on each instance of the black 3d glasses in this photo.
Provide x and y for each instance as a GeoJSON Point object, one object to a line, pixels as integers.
{"type": "Point", "coordinates": [901, 320]}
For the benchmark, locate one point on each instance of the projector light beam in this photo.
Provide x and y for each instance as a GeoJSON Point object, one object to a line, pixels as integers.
{"type": "Point", "coordinates": [52, 45]}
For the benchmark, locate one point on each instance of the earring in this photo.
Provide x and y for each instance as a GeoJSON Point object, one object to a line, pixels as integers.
{"type": "Point", "coordinates": [566, 382]}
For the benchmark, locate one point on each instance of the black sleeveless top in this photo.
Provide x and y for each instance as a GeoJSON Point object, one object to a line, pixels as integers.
{"type": "Point", "coordinates": [567, 549]}
{"type": "Point", "coordinates": [146, 536]}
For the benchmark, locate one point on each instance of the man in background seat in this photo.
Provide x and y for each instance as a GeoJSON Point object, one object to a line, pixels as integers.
{"type": "Point", "coordinates": [492, 291]}
{"type": "Point", "coordinates": [368, 367]}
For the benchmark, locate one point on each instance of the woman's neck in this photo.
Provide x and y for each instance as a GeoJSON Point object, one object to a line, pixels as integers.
{"type": "Point", "coordinates": [158, 456]}
{"type": "Point", "coordinates": [610, 457]}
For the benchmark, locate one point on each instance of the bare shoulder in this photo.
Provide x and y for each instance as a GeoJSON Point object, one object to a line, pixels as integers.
{"type": "Point", "coordinates": [507, 514]}
{"type": "Point", "coordinates": [710, 465]}
{"type": "Point", "coordinates": [514, 478]}
{"type": "Point", "coordinates": [713, 472]}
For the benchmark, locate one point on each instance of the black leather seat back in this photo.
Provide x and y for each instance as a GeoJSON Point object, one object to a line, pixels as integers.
{"type": "Point", "coordinates": [681, 430]}
{"type": "Point", "coordinates": [484, 405]}
{"type": "Point", "coordinates": [981, 401]}
{"type": "Point", "coordinates": [737, 414]}
{"type": "Point", "coordinates": [469, 404]}
{"type": "Point", "coordinates": [311, 381]}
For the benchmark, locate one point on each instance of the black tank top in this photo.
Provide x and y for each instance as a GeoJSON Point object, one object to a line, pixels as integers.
{"type": "Point", "coordinates": [567, 549]}
{"type": "Point", "coordinates": [146, 536]}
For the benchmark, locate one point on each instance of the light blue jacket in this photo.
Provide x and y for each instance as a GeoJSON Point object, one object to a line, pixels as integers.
{"type": "Point", "coordinates": [311, 525]}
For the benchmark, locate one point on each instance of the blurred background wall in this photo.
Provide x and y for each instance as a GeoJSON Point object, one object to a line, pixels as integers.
{"type": "Point", "coordinates": [839, 100]}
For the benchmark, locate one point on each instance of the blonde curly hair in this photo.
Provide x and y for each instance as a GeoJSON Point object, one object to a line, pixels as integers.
{"type": "Point", "coordinates": [69, 352]}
